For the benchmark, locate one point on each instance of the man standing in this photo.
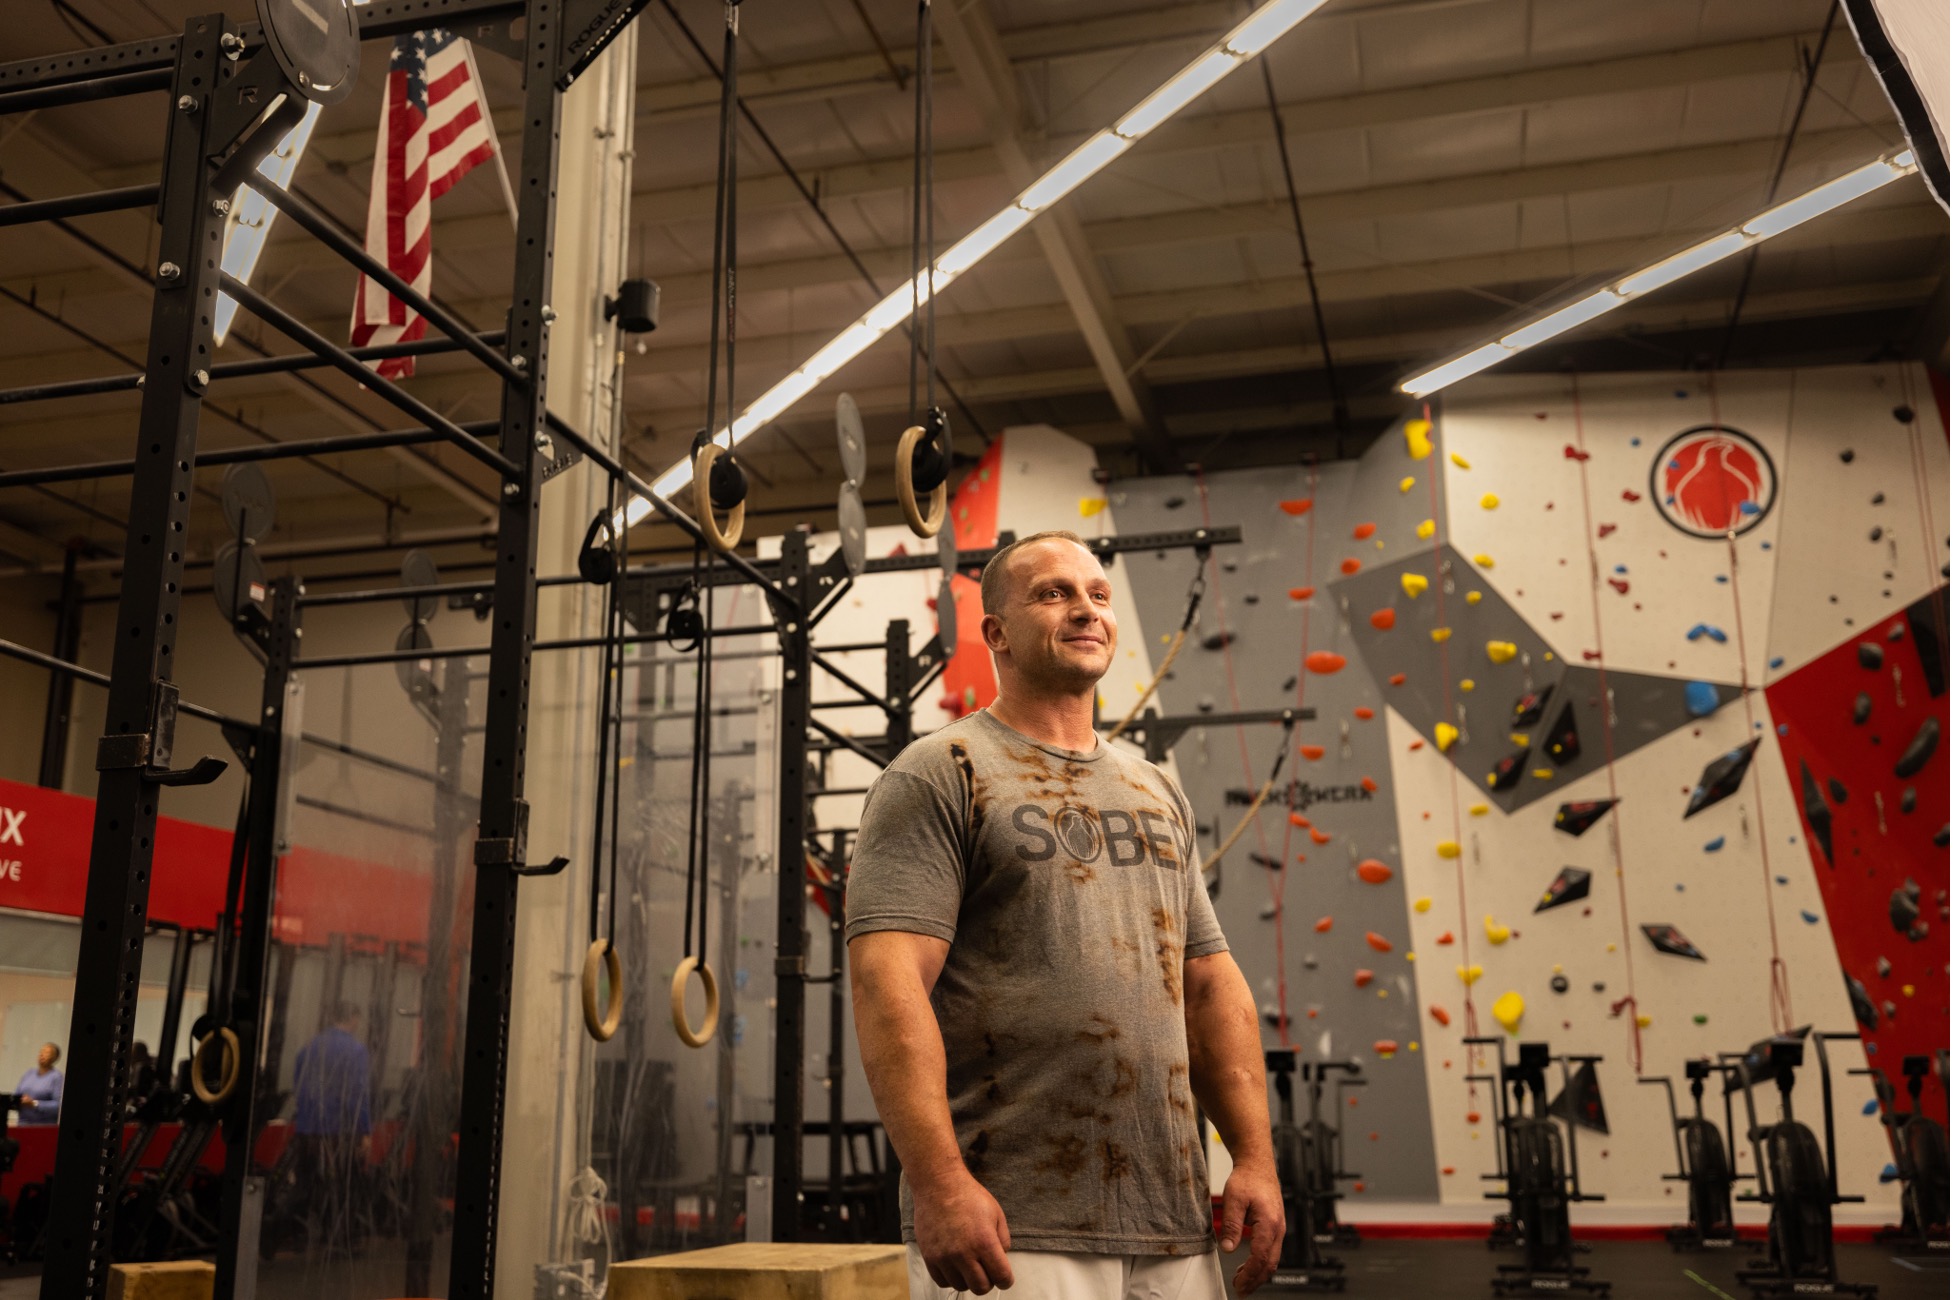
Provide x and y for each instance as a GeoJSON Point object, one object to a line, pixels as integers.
{"type": "Point", "coordinates": [330, 1129]}
{"type": "Point", "coordinates": [40, 1089]}
{"type": "Point", "coordinates": [1043, 995]}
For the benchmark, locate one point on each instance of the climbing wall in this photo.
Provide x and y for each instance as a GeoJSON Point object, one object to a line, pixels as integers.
{"type": "Point", "coordinates": [1570, 812]}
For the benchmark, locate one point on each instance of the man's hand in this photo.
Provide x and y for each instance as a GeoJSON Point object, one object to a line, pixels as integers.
{"type": "Point", "coordinates": [29, 1103]}
{"type": "Point", "coordinates": [963, 1237]}
{"type": "Point", "coordinates": [1253, 1209]}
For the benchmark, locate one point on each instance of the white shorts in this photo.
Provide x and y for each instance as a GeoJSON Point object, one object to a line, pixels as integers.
{"type": "Point", "coordinates": [1057, 1275]}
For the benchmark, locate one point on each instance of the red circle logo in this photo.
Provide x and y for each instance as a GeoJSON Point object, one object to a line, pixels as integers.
{"type": "Point", "coordinates": [1710, 481]}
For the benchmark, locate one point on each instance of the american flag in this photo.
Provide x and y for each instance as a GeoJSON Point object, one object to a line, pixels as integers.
{"type": "Point", "coordinates": [434, 129]}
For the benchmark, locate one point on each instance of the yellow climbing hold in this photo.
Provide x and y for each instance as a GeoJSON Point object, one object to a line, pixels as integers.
{"type": "Point", "coordinates": [1611, 947]}
{"type": "Point", "coordinates": [1508, 1011]}
{"type": "Point", "coordinates": [1407, 483]}
{"type": "Point", "coordinates": [1460, 460]}
{"type": "Point", "coordinates": [1413, 584]}
{"type": "Point", "coordinates": [1501, 652]}
{"type": "Point", "coordinates": [1490, 501]}
{"type": "Point", "coordinates": [1557, 969]}
{"type": "Point", "coordinates": [1423, 903]}
{"type": "Point", "coordinates": [1519, 739]}
{"type": "Point", "coordinates": [1645, 1022]}
{"type": "Point", "coordinates": [1448, 849]}
{"type": "Point", "coordinates": [1414, 1047]}
{"type": "Point", "coordinates": [1469, 974]}
{"type": "Point", "coordinates": [1410, 956]}
{"type": "Point", "coordinates": [1468, 684]}
{"type": "Point", "coordinates": [1091, 506]}
{"type": "Point", "coordinates": [1542, 773]}
{"type": "Point", "coordinates": [1440, 634]}
{"type": "Point", "coordinates": [1478, 810]}
{"type": "Point", "coordinates": [1445, 736]}
{"type": "Point", "coordinates": [1910, 990]}
{"type": "Point", "coordinates": [1547, 656]}
{"type": "Point", "coordinates": [1425, 529]}
{"type": "Point", "coordinates": [1498, 934]}
{"type": "Point", "coordinates": [1473, 598]}
{"type": "Point", "coordinates": [1485, 561]}
{"type": "Point", "coordinates": [1419, 445]}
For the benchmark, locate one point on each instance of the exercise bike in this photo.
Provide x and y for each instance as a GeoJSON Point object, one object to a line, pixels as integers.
{"type": "Point", "coordinates": [1326, 1145]}
{"type": "Point", "coordinates": [1706, 1166]}
{"type": "Point", "coordinates": [1923, 1159]}
{"type": "Point", "coordinates": [1797, 1180]}
{"type": "Point", "coordinates": [1541, 1187]}
{"type": "Point", "coordinates": [1301, 1265]}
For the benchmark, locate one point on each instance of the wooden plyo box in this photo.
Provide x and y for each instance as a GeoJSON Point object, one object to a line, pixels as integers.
{"type": "Point", "coordinates": [761, 1270]}
{"type": "Point", "coordinates": [186, 1279]}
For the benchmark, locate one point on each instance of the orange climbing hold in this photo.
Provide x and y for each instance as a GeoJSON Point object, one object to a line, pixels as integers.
{"type": "Point", "coordinates": [1363, 713]}
{"type": "Point", "coordinates": [1301, 821]}
{"type": "Point", "coordinates": [1323, 924]}
{"type": "Point", "coordinates": [1383, 619]}
{"type": "Point", "coordinates": [1440, 1014]}
{"type": "Point", "coordinates": [1447, 937]}
{"type": "Point", "coordinates": [1413, 745]}
{"type": "Point", "coordinates": [1448, 1170]}
{"type": "Point", "coordinates": [1362, 531]}
{"type": "Point", "coordinates": [1369, 785]}
{"type": "Point", "coordinates": [1475, 1117]}
{"type": "Point", "coordinates": [1296, 506]}
{"type": "Point", "coordinates": [1385, 1046]}
{"type": "Point", "coordinates": [1362, 978]}
{"type": "Point", "coordinates": [1320, 837]}
{"type": "Point", "coordinates": [1312, 753]}
{"type": "Point", "coordinates": [1301, 593]}
{"type": "Point", "coordinates": [1349, 566]}
{"type": "Point", "coordinates": [1324, 662]}
{"type": "Point", "coordinates": [1374, 871]}
{"type": "Point", "coordinates": [1379, 943]}
{"type": "Point", "coordinates": [1398, 679]}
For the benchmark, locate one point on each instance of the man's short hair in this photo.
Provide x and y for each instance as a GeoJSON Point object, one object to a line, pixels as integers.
{"type": "Point", "coordinates": [992, 579]}
{"type": "Point", "coordinates": [55, 1048]}
{"type": "Point", "coordinates": [346, 1013]}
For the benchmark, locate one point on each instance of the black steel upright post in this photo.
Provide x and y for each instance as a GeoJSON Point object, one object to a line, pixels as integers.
{"type": "Point", "coordinates": [61, 686]}
{"type": "Point", "coordinates": [242, 1212]}
{"type": "Point", "coordinates": [898, 674]}
{"type": "Point", "coordinates": [504, 816]}
{"type": "Point", "coordinates": [140, 722]}
{"type": "Point", "coordinates": [791, 929]}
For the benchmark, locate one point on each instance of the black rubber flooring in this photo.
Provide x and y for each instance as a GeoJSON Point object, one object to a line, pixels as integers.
{"type": "Point", "coordinates": [1430, 1269]}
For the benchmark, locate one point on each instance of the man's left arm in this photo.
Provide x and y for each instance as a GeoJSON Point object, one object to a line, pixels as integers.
{"type": "Point", "coordinates": [1227, 1077]}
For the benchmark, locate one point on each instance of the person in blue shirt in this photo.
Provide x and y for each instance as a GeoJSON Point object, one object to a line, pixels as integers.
{"type": "Point", "coordinates": [40, 1089]}
{"type": "Point", "coordinates": [332, 1088]}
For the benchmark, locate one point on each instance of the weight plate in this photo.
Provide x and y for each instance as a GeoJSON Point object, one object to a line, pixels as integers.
{"type": "Point", "coordinates": [852, 527]}
{"type": "Point", "coordinates": [417, 676]}
{"type": "Point", "coordinates": [248, 503]}
{"type": "Point", "coordinates": [418, 570]}
{"type": "Point", "coordinates": [948, 549]}
{"type": "Point", "coordinates": [237, 580]}
{"type": "Point", "coordinates": [317, 45]}
{"type": "Point", "coordinates": [948, 617]}
{"type": "Point", "coordinates": [849, 439]}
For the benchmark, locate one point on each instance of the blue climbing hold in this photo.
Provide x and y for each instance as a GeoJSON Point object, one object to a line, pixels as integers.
{"type": "Point", "coordinates": [1869, 1107]}
{"type": "Point", "coordinates": [1679, 889]}
{"type": "Point", "coordinates": [1719, 577]}
{"type": "Point", "coordinates": [1767, 546]}
{"type": "Point", "coordinates": [1776, 662]}
{"type": "Point", "coordinates": [1782, 880]}
{"type": "Point", "coordinates": [1716, 844]}
{"type": "Point", "coordinates": [1672, 464]}
{"type": "Point", "coordinates": [1809, 916]}
{"type": "Point", "coordinates": [1635, 442]}
{"type": "Point", "coordinates": [1695, 632]}
{"type": "Point", "coordinates": [1716, 634]}
{"type": "Point", "coordinates": [1749, 508]}
{"type": "Point", "coordinates": [1781, 729]}
{"type": "Point", "coordinates": [1619, 568]}
{"type": "Point", "coordinates": [1701, 698]}
{"type": "Point", "coordinates": [1889, 1174]}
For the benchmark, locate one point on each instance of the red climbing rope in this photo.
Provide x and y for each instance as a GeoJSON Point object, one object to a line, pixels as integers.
{"type": "Point", "coordinates": [1780, 1011]}
{"type": "Point", "coordinates": [1583, 459]}
{"type": "Point", "coordinates": [1251, 781]}
{"type": "Point", "coordinates": [1448, 706]}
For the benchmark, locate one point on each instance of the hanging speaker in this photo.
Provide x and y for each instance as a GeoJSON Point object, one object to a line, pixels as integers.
{"type": "Point", "coordinates": [852, 527]}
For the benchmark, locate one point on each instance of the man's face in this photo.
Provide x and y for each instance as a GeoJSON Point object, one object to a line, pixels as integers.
{"type": "Point", "coordinates": [1057, 626]}
{"type": "Point", "coordinates": [47, 1056]}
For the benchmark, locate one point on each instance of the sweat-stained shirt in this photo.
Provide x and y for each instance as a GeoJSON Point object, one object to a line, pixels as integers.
{"type": "Point", "coordinates": [1068, 885]}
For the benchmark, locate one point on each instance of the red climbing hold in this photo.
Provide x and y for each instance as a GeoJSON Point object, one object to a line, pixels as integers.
{"type": "Point", "coordinates": [1362, 531]}
{"type": "Point", "coordinates": [1296, 506]}
{"type": "Point", "coordinates": [1301, 821]}
{"type": "Point", "coordinates": [1368, 784]}
{"type": "Point", "coordinates": [1320, 837]}
{"type": "Point", "coordinates": [1414, 745]}
{"type": "Point", "coordinates": [1363, 713]}
{"type": "Point", "coordinates": [1374, 871]}
{"type": "Point", "coordinates": [1323, 924]}
{"type": "Point", "coordinates": [1440, 1014]}
{"type": "Point", "coordinates": [1379, 942]}
{"type": "Point", "coordinates": [1475, 1117]}
{"type": "Point", "coordinates": [1448, 1170]}
{"type": "Point", "coordinates": [1301, 593]}
{"type": "Point", "coordinates": [1592, 656]}
{"type": "Point", "coordinates": [931, 603]}
{"type": "Point", "coordinates": [1572, 453]}
{"type": "Point", "coordinates": [1447, 937]}
{"type": "Point", "coordinates": [1382, 619]}
{"type": "Point", "coordinates": [1349, 566]}
{"type": "Point", "coordinates": [1619, 585]}
{"type": "Point", "coordinates": [1324, 662]}
{"type": "Point", "coordinates": [1312, 753]}
{"type": "Point", "coordinates": [1629, 495]}
{"type": "Point", "coordinates": [1362, 978]}
{"type": "Point", "coordinates": [1606, 530]}
{"type": "Point", "coordinates": [1398, 679]}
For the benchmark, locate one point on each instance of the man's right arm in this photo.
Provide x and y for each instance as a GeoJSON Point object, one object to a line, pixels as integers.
{"type": "Point", "coordinates": [961, 1231]}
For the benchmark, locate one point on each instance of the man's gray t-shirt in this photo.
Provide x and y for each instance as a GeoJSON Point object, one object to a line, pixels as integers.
{"type": "Point", "coordinates": [1069, 887]}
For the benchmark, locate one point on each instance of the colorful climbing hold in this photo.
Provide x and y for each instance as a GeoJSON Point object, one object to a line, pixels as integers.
{"type": "Point", "coordinates": [1573, 453]}
{"type": "Point", "coordinates": [1379, 943]}
{"type": "Point", "coordinates": [1301, 593]}
{"type": "Point", "coordinates": [1362, 978]}
{"type": "Point", "coordinates": [1320, 837]}
{"type": "Point", "coordinates": [1702, 698]}
{"type": "Point", "coordinates": [1508, 1011]}
{"type": "Point", "coordinates": [1300, 820]}
{"type": "Point", "coordinates": [1448, 849]}
{"type": "Point", "coordinates": [1312, 753]}
{"type": "Point", "coordinates": [1362, 531]}
{"type": "Point", "coordinates": [1425, 529]}
{"type": "Point", "coordinates": [1716, 844]}
{"type": "Point", "coordinates": [1440, 634]}
{"type": "Point", "coordinates": [1461, 461]}
{"type": "Point", "coordinates": [1398, 679]}
{"type": "Point", "coordinates": [1423, 903]}
{"type": "Point", "coordinates": [1382, 619]}
{"type": "Point", "coordinates": [1324, 662]}
{"type": "Point", "coordinates": [1374, 871]}
{"type": "Point", "coordinates": [1484, 561]}
{"type": "Point", "coordinates": [1440, 1014]}
{"type": "Point", "coordinates": [1501, 652]}
{"type": "Point", "coordinates": [1445, 736]}
{"type": "Point", "coordinates": [1419, 445]}
{"type": "Point", "coordinates": [1385, 1047]}
{"type": "Point", "coordinates": [1363, 713]}
{"type": "Point", "coordinates": [1413, 584]}
{"type": "Point", "coordinates": [1444, 939]}
{"type": "Point", "coordinates": [1091, 506]}
{"type": "Point", "coordinates": [1323, 924]}
{"type": "Point", "coordinates": [1498, 935]}
{"type": "Point", "coordinates": [1473, 598]}
{"type": "Point", "coordinates": [1368, 784]}
{"type": "Point", "coordinates": [1349, 566]}
{"type": "Point", "coordinates": [1296, 506]}
{"type": "Point", "coordinates": [1468, 974]}
{"type": "Point", "coordinates": [1478, 810]}
{"type": "Point", "coordinates": [1407, 483]}
{"type": "Point", "coordinates": [1490, 501]}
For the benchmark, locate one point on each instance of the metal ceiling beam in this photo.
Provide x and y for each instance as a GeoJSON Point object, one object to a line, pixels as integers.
{"type": "Point", "coordinates": [989, 84]}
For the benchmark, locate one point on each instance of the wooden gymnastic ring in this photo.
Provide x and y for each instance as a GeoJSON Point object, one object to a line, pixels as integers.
{"type": "Point", "coordinates": [907, 495]}
{"type": "Point", "coordinates": [228, 1068]}
{"type": "Point", "coordinates": [601, 1028]}
{"type": "Point", "coordinates": [703, 502]}
{"type": "Point", "coordinates": [705, 1035]}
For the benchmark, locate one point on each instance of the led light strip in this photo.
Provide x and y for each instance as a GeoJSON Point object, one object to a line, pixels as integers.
{"type": "Point", "coordinates": [1826, 197]}
{"type": "Point", "coordinates": [1245, 41]}
{"type": "Point", "coordinates": [249, 223]}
